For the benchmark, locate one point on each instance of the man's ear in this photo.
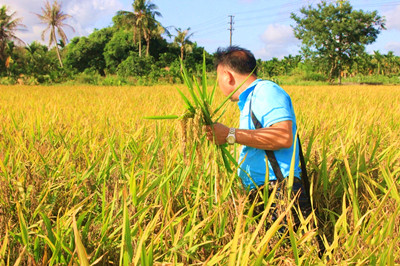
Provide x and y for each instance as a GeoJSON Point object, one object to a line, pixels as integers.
{"type": "Point", "coordinates": [230, 78]}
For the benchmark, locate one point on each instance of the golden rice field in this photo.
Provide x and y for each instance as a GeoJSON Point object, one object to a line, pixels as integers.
{"type": "Point", "coordinates": [85, 180]}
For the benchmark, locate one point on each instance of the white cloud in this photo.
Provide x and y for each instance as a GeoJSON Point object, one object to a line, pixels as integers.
{"type": "Point", "coordinates": [86, 15]}
{"type": "Point", "coordinates": [394, 47]}
{"type": "Point", "coordinates": [34, 33]}
{"type": "Point", "coordinates": [278, 41]}
{"type": "Point", "coordinates": [393, 18]}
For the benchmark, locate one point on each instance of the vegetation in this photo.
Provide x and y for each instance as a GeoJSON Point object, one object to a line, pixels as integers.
{"type": "Point", "coordinates": [142, 20]}
{"type": "Point", "coordinates": [97, 178]}
{"type": "Point", "coordinates": [54, 18]}
{"type": "Point", "coordinates": [8, 25]}
{"type": "Point", "coordinates": [86, 180]}
{"type": "Point", "coordinates": [335, 34]}
{"type": "Point", "coordinates": [182, 40]}
{"type": "Point", "coordinates": [113, 55]}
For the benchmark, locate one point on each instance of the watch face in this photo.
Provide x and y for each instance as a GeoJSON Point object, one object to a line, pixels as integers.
{"type": "Point", "coordinates": [230, 139]}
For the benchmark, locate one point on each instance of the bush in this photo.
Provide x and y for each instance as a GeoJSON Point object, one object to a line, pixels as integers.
{"type": "Point", "coordinates": [113, 81]}
{"type": "Point", "coordinates": [7, 81]}
{"type": "Point", "coordinates": [88, 77]}
{"type": "Point", "coordinates": [31, 81]}
{"type": "Point", "coordinates": [374, 79]}
{"type": "Point", "coordinates": [135, 66]}
{"type": "Point", "coordinates": [312, 76]}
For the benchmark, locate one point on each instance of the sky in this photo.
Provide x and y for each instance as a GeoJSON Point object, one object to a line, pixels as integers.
{"type": "Point", "coordinates": [262, 26]}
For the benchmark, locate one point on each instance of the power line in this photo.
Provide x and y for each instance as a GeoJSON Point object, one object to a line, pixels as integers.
{"type": "Point", "coordinates": [270, 8]}
{"type": "Point", "coordinates": [210, 30]}
{"type": "Point", "coordinates": [258, 23]}
{"type": "Point", "coordinates": [219, 30]}
{"type": "Point", "coordinates": [209, 23]}
{"type": "Point", "coordinates": [213, 26]}
{"type": "Point", "coordinates": [277, 13]}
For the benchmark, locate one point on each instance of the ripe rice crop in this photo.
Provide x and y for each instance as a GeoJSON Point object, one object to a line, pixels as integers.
{"type": "Point", "coordinates": [84, 179]}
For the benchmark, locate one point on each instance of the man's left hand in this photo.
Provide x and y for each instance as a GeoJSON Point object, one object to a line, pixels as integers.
{"type": "Point", "coordinates": [217, 133]}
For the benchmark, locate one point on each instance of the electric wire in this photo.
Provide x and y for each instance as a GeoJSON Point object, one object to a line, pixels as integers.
{"type": "Point", "coordinates": [277, 13]}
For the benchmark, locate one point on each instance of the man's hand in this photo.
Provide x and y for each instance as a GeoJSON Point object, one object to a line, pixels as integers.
{"type": "Point", "coordinates": [217, 133]}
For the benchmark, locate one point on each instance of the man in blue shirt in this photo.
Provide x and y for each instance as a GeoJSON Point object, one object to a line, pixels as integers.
{"type": "Point", "coordinates": [276, 130]}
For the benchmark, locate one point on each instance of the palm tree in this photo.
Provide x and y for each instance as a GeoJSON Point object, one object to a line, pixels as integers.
{"type": "Point", "coordinates": [378, 58]}
{"type": "Point", "coordinates": [153, 30]}
{"type": "Point", "coordinates": [142, 20]}
{"type": "Point", "coordinates": [54, 18]}
{"type": "Point", "coordinates": [390, 62]}
{"type": "Point", "coordinates": [182, 39]}
{"type": "Point", "coordinates": [8, 25]}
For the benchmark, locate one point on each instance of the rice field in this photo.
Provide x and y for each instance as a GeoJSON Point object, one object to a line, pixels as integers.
{"type": "Point", "coordinates": [84, 180]}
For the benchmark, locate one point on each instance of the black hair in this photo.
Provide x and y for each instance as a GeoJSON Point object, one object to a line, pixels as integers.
{"type": "Point", "coordinates": [238, 59]}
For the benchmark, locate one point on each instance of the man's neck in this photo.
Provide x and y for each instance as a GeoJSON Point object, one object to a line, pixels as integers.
{"type": "Point", "coordinates": [247, 82]}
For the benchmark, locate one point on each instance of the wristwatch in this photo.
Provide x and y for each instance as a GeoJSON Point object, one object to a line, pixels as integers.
{"type": "Point", "coordinates": [231, 138]}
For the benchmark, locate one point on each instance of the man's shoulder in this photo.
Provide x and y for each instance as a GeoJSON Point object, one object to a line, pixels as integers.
{"type": "Point", "coordinates": [268, 88]}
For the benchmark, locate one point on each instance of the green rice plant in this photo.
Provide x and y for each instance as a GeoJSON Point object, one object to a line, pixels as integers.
{"type": "Point", "coordinates": [126, 254]}
{"type": "Point", "coordinates": [3, 249]}
{"type": "Point", "coordinates": [199, 109]}
{"type": "Point", "coordinates": [83, 260]}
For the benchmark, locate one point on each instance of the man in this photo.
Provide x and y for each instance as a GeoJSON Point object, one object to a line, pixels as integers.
{"type": "Point", "coordinates": [276, 128]}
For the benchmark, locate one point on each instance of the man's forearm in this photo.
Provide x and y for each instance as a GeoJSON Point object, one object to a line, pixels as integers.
{"type": "Point", "coordinates": [275, 137]}
{"type": "Point", "coordinates": [272, 138]}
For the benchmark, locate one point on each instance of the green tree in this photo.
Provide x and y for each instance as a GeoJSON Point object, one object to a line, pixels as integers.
{"type": "Point", "coordinates": [54, 18]}
{"type": "Point", "coordinates": [336, 33]}
{"type": "Point", "coordinates": [363, 64]}
{"type": "Point", "coordinates": [154, 30]}
{"type": "Point", "coordinates": [142, 21]}
{"type": "Point", "coordinates": [182, 39]}
{"type": "Point", "coordinates": [88, 52]}
{"type": "Point", "coordinates": [118, 49]}
{"type": "Point", "coordinates": [390, 63]}
{"type": "Point", "coordinates": [378, 60]}
{"type": "Point", "coordinates": [9, 24]}
{"type": "Point", "coordinates": [38, 64]}
{"type": "Point", "coordinates": [135, 65]}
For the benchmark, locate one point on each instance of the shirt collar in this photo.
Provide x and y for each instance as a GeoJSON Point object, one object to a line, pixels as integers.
{"type": "Point", "coordinates": [245, 93]}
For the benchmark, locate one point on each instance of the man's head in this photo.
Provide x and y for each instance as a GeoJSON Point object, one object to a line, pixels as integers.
{"type": "Point", "coordinates": [240, 60]}
{"type": "Point", "coordinates": [234, 65]}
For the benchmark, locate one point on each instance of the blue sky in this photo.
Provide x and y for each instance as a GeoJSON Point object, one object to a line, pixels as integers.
{"type": "Point", "coordinates": [259, 25]}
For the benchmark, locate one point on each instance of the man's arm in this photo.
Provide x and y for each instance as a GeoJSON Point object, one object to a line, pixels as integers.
{"type": "Point", "coordinates": [275, 137]}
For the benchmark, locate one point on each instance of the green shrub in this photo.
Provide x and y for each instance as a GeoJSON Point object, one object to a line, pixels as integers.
{"type": "Point", "coordinates": [88, 77]}
{"type": "Point", "coordinates": [135, 66]}
{"type": "Point", "coordinates": [113, 81]}
{"type": "Point", "coordinates": [374, 79]}
{"type": "Point", "coordinates": [7, 81]}
{"type": "Point", "coordinates": [312, 76]}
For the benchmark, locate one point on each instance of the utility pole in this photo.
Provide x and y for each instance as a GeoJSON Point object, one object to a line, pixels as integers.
{"type": "Point", "coordinates": [230, 29]}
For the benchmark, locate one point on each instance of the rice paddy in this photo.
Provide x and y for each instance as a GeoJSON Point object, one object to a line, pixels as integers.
{"type": "Point", "coordinates": [84, 179]}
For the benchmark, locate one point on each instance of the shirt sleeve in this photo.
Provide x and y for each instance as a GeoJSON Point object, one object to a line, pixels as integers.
{"type": "Point", "coordinates": [271, 104]}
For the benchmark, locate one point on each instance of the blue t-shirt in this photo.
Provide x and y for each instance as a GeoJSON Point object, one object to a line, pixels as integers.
{"type": "Point", "coordinates": [270, 104]}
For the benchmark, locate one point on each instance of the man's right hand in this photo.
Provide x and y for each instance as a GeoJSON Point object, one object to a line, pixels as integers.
{"type": "Point", "coordinates": [217, 133]}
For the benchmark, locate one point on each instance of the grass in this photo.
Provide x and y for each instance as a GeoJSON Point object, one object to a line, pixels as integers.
{"type": "Point", "coordinates": [85, 180]}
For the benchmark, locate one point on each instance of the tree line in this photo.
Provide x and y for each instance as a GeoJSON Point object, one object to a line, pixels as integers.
{"type": "Point", "coordinates": [134, 50]}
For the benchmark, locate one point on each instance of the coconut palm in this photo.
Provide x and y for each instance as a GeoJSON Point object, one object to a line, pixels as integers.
{"type": "Point", "coordinates": [182, 39]}
{"type": "Point", "coordinates": [8, 25]}
{"type": "Point", "coordinates": [142, 20]}
{"type": "Point", "coordinates": [378, 59]}
{"type": "Point", "coordinates": [53, 16]}
{"type": "Point", "coordinates": [153, 30]}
